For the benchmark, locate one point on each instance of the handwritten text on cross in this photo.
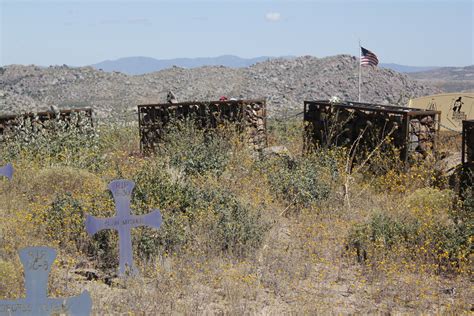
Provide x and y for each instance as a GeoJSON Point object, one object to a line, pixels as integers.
{"type": "Point", "coordinates": [37, 263]}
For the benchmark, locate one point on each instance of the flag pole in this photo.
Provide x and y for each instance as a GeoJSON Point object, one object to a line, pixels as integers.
{"type": "Point", "coordinates": [360, 68]}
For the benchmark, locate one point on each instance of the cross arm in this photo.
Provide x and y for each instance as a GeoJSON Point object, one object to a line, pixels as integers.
{"type": "Point", "coordinates": [95, 224]}
{"type": "Point", "coordinates": [79, 305]}
{"type": "Point", "coordinates": [7, 171]}
{"type": "Point", "coordinates": [152, 219]}
{"type": "Point", "coordinates": [14, 306]}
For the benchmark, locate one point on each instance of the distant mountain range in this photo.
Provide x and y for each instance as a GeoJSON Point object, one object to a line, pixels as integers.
{"type": "Point", "coordinates": [407, 69]}
{"type": "Point", "coordinates": [448, 79]}
{"type": "Point", "coordinates": [143, 65]}
{"type": "Point", "coordinates": [446, 73]}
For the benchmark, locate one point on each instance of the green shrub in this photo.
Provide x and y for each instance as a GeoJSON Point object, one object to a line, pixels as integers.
{"type": "Point", "coordinates": [194, 150]}
{"type": "Point", "coordinates": [56, 141]}
{"type": "Point", "coordinates": [63, 224]}
{"type": "Point", "coordinates": [383, 230]}
{"type": "Point", "coordinates": [445, 244]}
{"type": "Point", "coordinates": [284, 131]}
{"type": "Point", "coordinates": [300, 182]}
{"type": "Point", "coordinates": [63, 221]}
{"type": "Point", "coordinates": [235, 227]}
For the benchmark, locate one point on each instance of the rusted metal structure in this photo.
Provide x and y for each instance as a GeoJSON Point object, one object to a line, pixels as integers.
{"type": "Point", "coordinates": [467, 141]}
{"type": "Point", "coordinates": [414, 131]}
{"type": "Point", "coordinates": [467, 155]}
{"type": "Point", "coordinates": [248, 115]}
{"type": "Point", "coordinates": [8, 122]}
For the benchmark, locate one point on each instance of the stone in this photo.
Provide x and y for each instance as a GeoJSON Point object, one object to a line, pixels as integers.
{"type": "Point", "coordinates": [277, 151]}
{"type": "Point", "coordinates": [424, 132]}
{"type": "Point", "coordinates": [171, 98]}
{"type": "Point", "coordinates": [88, 274]}
{"type": "Point", "coordinates": [426, 147]}
{"type": "Point", "coordinates": [413, 142]}
{"type": "Point", "coordinates": [415, 126]}
{"type": "Point", "coordinates": [427, 120]}
{"type": "Point", "coordinates": [123, 222]}
{"type": "Point", "coordinates": [37, 263]}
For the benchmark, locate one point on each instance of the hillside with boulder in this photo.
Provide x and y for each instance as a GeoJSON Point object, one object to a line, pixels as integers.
{"type": "Point", "coordinates": [285, 83]}
{"type": "Point", "coordinates": [448, 79]}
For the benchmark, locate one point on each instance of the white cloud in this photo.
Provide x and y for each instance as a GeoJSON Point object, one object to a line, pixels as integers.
{"type": "Point", "coordinates": [273, 16]}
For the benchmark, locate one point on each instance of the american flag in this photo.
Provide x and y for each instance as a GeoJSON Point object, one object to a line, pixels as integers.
{"type": "Point", "coordinates": [368, 58]}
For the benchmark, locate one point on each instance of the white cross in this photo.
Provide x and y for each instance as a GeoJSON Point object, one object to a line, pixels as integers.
{"type": "Point", "coordinates": [123, 222]}
{"type": "Point", "coordinates": [37, 263]}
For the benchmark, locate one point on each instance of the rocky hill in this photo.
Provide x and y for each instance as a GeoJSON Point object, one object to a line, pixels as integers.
{"type": "Point", "coordinates": [286, 83]}
{"type": "Point", "coordinates": [448, 79]}
{"type": "Point", "coordinates": [139, 65]}
{"type": "Point", "coordinates": [143, 65]}
{"type": "Point", "coordinates": [446, 73]}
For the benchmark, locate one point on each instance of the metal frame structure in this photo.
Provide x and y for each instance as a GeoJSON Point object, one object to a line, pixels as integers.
{"type": "Point", "coordinates": [467, 157]}
{"type": "Point", "coordinates": [11, 119]}
{"type": "Point", "coordinates": [316, 113]}
{"type": "Point", "coordinates": [467, 153]}
{"type": "Point", "coordinates": [152, 118]}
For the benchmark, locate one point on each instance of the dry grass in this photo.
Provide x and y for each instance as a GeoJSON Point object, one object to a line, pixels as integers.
{"type": "Point", "coordinates": [299, 262]}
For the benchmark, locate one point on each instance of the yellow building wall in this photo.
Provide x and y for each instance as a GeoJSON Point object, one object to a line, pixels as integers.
{"type": "Point", "coordinates": [454, 107]}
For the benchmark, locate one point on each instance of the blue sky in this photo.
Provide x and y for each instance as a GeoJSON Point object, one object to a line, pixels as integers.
{"type": "Point", "coordinates": [418, 33]}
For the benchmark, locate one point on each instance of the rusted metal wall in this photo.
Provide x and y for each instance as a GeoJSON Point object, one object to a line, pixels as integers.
{"type": "Point", "coordinates": [467, 155]}
{"type": "Point", "coordinates": [414, 131]}
{"type": "Point", "coordinates": [8, 122]}
{"type": "Point", "coordinates": [248, 115]}
{"type": "Point", "coordinates": [467, 141]}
